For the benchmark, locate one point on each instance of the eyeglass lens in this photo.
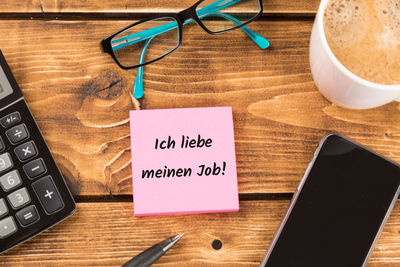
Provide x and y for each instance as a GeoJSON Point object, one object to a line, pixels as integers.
{"type": "Point", "coordinates": [146, 41]}
{"type": "Point", "coordinates": [222, 15]}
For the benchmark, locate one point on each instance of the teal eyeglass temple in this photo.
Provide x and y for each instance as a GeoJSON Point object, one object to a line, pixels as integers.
{"type": "Point", "coordinates": [148, 35]}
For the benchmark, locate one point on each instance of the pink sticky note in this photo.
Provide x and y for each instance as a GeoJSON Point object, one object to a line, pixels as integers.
{"type": "Point", "coordinates": [183, 161]}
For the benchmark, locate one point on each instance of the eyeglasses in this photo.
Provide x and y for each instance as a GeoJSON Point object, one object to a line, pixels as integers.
{"type": "Point", "coordinates": [154, 38]}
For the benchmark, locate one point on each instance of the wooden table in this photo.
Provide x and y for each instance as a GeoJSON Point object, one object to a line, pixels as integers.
{"type": "Point", "coordinates": [81, 100]}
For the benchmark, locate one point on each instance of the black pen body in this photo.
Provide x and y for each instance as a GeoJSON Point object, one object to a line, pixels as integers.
{"type": "Point", "coordinates": [147, 257]}
{"type": "Point", "coordinates": [151, 255]}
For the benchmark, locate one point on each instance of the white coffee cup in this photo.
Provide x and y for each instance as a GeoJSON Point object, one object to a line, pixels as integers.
{"type": "Point", "coordinates": [336, 82]}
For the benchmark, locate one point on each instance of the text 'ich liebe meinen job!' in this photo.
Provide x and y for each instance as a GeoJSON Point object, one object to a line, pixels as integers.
{"type": "Point", "coordinates": [186, 142]}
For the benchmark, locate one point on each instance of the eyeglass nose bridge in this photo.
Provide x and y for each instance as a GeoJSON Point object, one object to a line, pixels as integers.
{"type": "Point", "coordinates": [189, 13]}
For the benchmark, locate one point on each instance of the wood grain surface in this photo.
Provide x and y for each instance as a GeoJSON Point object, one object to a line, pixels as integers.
{"type": "Point", "coordinates": [121, 7]}
{"type": "Point", "coordinates": [107, 234]}
{"type": "Point", "coordinates": [81, 100]}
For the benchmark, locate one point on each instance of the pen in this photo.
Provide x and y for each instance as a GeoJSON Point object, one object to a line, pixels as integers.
{"type": "Point", "coordinates": [151, 255]}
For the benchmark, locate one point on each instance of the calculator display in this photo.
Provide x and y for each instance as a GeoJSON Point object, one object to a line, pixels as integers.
{"type": "Point", "coordinates": [5, 86]}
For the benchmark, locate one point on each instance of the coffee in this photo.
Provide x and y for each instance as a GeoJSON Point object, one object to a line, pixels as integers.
{"type": "Point", "coordinates": [365, 37]}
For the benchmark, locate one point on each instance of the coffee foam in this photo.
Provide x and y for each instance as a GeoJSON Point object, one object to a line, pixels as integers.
{"type": "Point", "coordinates": [390, 19]}
{"type": "Point", "coordinates": [343, 17]}
{"type": "Point", "coordinates": [365, 36]}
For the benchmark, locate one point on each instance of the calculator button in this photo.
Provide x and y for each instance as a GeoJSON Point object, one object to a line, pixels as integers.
{"type": "Point", "coordinates": [28, 215]}
{"type": "Point", "coordinates": [26, 151]}
{"type": "Point", "coordinates": [10, 180]}
{"type": "Point", "coordinates": [10, 119]}
{"type": "Point", "coordinates": [48, 195]}
{"type": "Point", "coordinates": [7, 227]}
{"type": "Point", "coordinates": [34, 168]}
{"type": "Point", "coordinates": [19, 198]}
{"type": "Point", "coordinates": [3, 208]}
{"type": "Point", "coordinates": [17, 134]}
{"type": "Point", "coordinates": [5, 162]}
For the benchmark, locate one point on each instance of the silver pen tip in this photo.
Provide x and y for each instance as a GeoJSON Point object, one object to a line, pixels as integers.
{"type": "Point", "coordinates": [171, 242]}
{"type": "Point", "coordinates": [177, 237]}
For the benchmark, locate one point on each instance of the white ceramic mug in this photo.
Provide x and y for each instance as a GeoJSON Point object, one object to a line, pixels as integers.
{"type": "Point", "coordinates": [336, 82]}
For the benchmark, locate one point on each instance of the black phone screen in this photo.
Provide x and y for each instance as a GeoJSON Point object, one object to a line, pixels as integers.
{"type": "Point", "coordinates": [339, 211]}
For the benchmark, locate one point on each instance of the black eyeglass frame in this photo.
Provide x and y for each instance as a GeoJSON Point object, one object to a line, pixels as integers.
{"type": "Point", "coordinates": [180, 17]}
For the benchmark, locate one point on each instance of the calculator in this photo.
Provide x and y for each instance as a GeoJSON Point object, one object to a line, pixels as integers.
{"type": "Point", "coordinates": [33, 193]}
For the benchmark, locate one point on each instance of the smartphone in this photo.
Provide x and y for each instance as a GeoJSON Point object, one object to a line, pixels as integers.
{"type": "Point", "coordinates": [338, 209]}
